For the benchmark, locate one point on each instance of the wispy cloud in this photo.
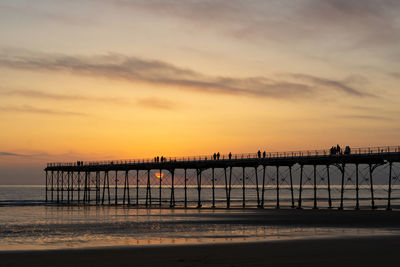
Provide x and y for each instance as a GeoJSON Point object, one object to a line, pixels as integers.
{"type": "Point", "coordinates": [156, 103]}
{"type": "Point", "coordinates": [366, 117]}
{"type": "Point", "coordinates": [31, 109]}
{"type": "Point", "coordinates": [62, 97]}
{"type": "Point", "coordinates": [10, 154]}
{"type": "Point", "coordinates": [366, 23]}
{"type": "Point", "coordinates": [134, 69]}
{"type": "Point", "coordinates": [334, 84]}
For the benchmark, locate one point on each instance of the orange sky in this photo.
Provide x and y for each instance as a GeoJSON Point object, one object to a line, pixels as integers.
{"type": "Point", "coordinates": [130, 79]}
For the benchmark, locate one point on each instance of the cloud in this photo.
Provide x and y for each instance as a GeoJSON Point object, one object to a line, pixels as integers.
{"type": "Point", "coordinates": [10, 154]}
{"type": "Point", "coordinates": [62, 97]}
{"type": "Point", "coordinates": [157, 103]}
{"type": "Point", "coordinates": [30, 109]}
{"type": "Point", "coordinates": [365, 23]}
{"type": "Point", "coordinates": [134, 69]}
{"type": "Point", "coordinates": [334, 84]}
{"type": "Point", "coordinates": [366, 117]}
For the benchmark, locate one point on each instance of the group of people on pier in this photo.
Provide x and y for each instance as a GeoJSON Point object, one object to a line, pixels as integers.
{"type": "Point", "coordinates": [160, 159]}
{"type": "Point", "coordinates": [337, 150]}
{"type": "Point", "coordinates": [264, 154]}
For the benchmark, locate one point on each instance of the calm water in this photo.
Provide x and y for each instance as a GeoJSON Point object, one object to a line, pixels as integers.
{"type": "Point", "coordinates": [26, 222]}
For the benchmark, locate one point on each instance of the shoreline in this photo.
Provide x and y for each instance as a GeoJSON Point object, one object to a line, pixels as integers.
{"type": "Point", "coordinates": [330, 251]}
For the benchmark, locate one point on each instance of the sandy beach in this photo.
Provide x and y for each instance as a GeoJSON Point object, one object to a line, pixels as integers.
{"type": "Point", "coordinates": [361, 251]}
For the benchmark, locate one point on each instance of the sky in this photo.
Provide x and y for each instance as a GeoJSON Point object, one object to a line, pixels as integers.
{"type": "Point", "coordinates": [119, 79]}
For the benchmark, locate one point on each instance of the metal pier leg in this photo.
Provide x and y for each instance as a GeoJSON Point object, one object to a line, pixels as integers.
{"type": "Point", "coordinates": [213, 189]}
{"type": "Point", "coordinates": [342, 188]}
{"type": "Point", "coordinates": [137, 187]}
{"type": "Point", "coordinates": [300, 186]}
{"type": "Point", "coordinates": [58, 186]}
{"type": "Point", "coordinates": [62, 186]}
{"type": "Point", "coordinates": [226, 189]}
{"type": "Point", "coordinates": [372, 187]}
{"type": "Point", "coordinates": [97, 187]}
{"type": "Point", "coordinates": [329, 188]}
{"type": "Point", "coordinates": [199, 188]}
{"type": "Point", "coordinates": [230, 185]}
{"type": "Point", "coordinates": [277, 187]}
{"type": "Point", "coordinates": [185, 188]}
{"type": "Point", "coordinates": [85, 189]}
{"type": "Point", "coordinates": [291, 185]}
{"type": "Point", "coordinates": [244, 189]}
{"type": "Point", "coordinates": [46, 186]}
{"type": "Point", "coordinates": [315, 187]}
{"type": "Point", "coordinates": [125, 185]}
{"type": "Point", "coordinates": [52, 186]}
{"type": "Point", "coordinates": [357, 190]}
{"type": "Point", "coordinates": [104, 188]}
{"type": "Point", "coordinates": [172, 200]}
{"type": "Point", "coordinates": [148, 189]}
{"type": "Point", "coordinates": [108, 189]}
{"type": "Point", "coordinates": [68, 189]}
{"type": "Point", "coordinates": [263, 188]}
{"type": "Point", "coordinates": [390, 187]}
{"type": "Point", "coordinates": [79, 186]}
{"type": "Point", "coordinates": [257, 190]}
{"type": "Point", "coordinates": [72, 186]}
{"type": "Point", "coordinates": [88, 188]}
{"type": "Point", "coordinates": [159, 195]}
{"type": "Point", "coordinates": [116, 188]}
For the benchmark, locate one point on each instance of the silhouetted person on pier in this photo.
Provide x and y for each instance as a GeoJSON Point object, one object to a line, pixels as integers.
{"type": "Point", "coordinates": [158, 158]}
{"type": "Point", "coordinates": [338, 150]}
{"type": "Point", "coordinates": [264, 154]}
{"type": "Point", "coordinates": [347, 150]}
{"type": "Point", "coordinates": [218, 155]}
{"type": "Point", "coordinates": [230, 155]}
{"type": "Point", "coordinates": [259, 154]}
{"type": "Point", "coordinates": [214, 156]}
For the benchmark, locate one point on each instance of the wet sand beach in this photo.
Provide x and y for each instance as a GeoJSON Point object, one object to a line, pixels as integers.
{"type": "Point", "coordinates": [349, 238]}
{"type": "Point", "coordinates": [358, 251]}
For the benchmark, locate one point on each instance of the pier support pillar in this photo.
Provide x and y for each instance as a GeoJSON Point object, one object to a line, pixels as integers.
{"type": "Point", "coordinates": [137, 187]}
{"type": "Point", "coordinates": [371, 170]}
{"type": "Point", "coordinates": [199, 188]}
{"type": "Point", "coordinates": [343, 170]}
{"type": "Point", "coordinates": [126, 188]}
{"type": "Point", "coordinates": [213, 188]}
{"type": "Point", "coordinates": [172, 200]}
{"type": "Point", "coordinates": [148, 189]}
{"type": "Point", "coordinates": [46, 187]}
{"type": "Point", "coordinates": [244, 188]}
{"type": "Point", "coordinates": [329, 187]}
{"type": "Point", "coordinates": [291, 186]}
{"type": "Point", "coordinates": [52, 186]}
{"type": "Point", "coordinates": [277, 187]}
{"type": "Point", "coordinates": [160, 187]}
{"type": "Point", "coordinates": [116, 188]}
{"type": "Point", "coordinates": [185, 189]}
{"type": "Point", "coordinates": [390, 187]}
{"type": "Point", "coordinates": [257, 189]}
{"type": "Point", "coordinates": [357, 190]}
{"type": "Point", "coordinates": [315, 187]}
{"type": "Point", "coordinates": [300, 186]}
{"type": "Point", "coordinates": [263, 188]}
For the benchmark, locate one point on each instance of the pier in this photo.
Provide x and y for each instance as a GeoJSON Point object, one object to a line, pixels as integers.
{"type": "Point", "coordinates": [308, 179]}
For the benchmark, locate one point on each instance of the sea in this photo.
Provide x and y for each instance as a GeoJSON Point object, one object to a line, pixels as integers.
{"type": "Point", "coordinates": [28, 222]}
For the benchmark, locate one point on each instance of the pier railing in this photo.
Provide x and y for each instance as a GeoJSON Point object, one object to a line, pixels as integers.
{"type": "Point", "coordinates": [288, 154]}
